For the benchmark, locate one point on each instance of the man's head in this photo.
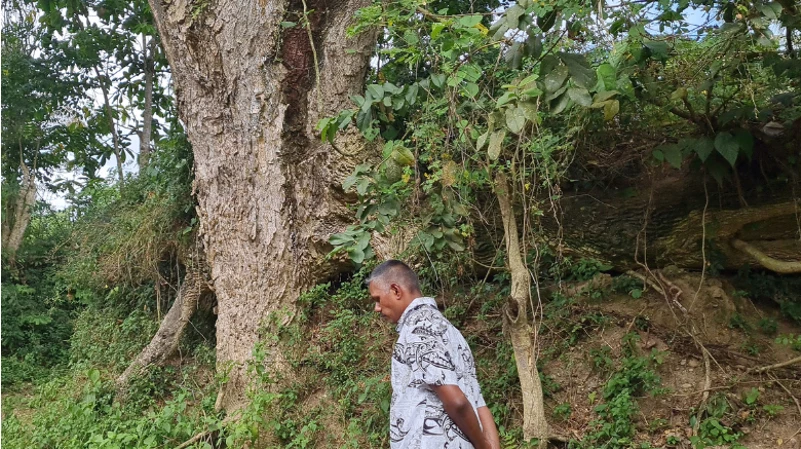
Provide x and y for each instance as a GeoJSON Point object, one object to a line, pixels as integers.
{"type": "Point", "coordinates": [393, 286]}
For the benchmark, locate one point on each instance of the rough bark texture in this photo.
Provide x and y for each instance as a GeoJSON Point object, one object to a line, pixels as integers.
{"type": "Point", "coordinates": [517, 325]}
{"type": "Point", "coordinates": [14, 233]}
{"type": "Point", "coordinates": [166, 340]}
{"type": "Point", "coordinates": [614, 230]}
{"type": "Point", "coordinates": [269, 193]}
{"type": "Point", "coordinates": [149, 49]}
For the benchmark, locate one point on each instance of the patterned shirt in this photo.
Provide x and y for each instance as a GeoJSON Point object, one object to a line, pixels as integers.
{"type": "Point", "coordinates": [429, 351]}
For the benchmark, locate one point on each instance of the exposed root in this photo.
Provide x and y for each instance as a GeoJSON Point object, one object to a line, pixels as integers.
{"type": "Point", "coordinates": [775, 365]}
{"type": "Point", "coordinates": [194, 439]}
{"type": "Point", "coordinates": [768, 262]}
{"type": "Point", "coordinates": [170, 331]}
{"type": "Point", "coordinates": [646, 281]}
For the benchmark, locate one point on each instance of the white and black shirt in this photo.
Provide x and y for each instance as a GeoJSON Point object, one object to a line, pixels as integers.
{"type": "Point", "coordinates": [429, 351]}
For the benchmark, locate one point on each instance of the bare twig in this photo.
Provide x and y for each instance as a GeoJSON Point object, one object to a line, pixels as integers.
{"type": "Point", "coordinates": [775, 365]}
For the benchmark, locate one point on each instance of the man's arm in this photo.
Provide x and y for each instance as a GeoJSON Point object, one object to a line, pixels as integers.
{"type": "Point", "coordinates": [461, 412]}
{"type": "Point", "coordinates": [488, 424]}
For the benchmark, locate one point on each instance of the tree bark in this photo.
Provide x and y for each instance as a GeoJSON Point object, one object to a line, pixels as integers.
{"type": "Point", "coordinates": [517, 325]}
{"type": "Point", "coordinates": [149, 49]}
{"type": "Point", "coordinates": [167, 338]}
{"type": "Point", "coordinates": [14, 233]}
{"type": "Point", "coordinates": [614, 230]}
{"type": "Point", "coordinates": [269, 193]}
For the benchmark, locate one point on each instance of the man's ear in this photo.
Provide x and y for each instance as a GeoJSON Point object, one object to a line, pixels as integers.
{"type": "Point", "coordinates": [396, 290]}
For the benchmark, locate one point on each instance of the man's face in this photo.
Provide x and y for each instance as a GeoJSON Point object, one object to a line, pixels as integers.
{"type": "Point", "coordinates": [387, 300]}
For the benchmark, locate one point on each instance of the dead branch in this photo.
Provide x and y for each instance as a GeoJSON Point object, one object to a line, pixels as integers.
{"type": "Point", "coordinates": [775, 365]}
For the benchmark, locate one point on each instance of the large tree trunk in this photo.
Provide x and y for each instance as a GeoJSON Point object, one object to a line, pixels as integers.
{"type": "Point", "coordinates": [517, 325]}
{"type": "Point", "coordinates": [13, 233]}
{"type": "Point", "coordinates": [269, 193]}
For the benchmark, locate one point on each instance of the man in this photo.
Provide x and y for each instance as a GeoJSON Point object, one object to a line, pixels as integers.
{"type": "Point", "coordinates": [436, 399]}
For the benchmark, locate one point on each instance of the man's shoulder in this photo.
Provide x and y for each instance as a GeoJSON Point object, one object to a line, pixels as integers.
{"type": "Point", "coordinates": [427, 320]}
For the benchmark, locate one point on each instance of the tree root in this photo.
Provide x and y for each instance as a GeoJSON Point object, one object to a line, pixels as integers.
{"type": "Point", "coordinates": [194, 439]}
{"type": "Point", "coordinates": [768, 262]}
{"type": "Point", "coordinates": [775, 365]}
{"type": "Point", "coordinates": [170, 331]}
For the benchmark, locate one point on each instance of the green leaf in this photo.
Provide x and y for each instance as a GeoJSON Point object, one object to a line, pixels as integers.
{"type": "Point", "coordinates": [672, 154]}
{"type": "Point", "coordinates": [603, 96]}
{"type": "Point", "coordinates": [727, 146]}
{"type": "Point", "coordinates": [505, 98]}
{"type": "Point", "coordinates": [636, 293]}
{"type": "Point", "coordinates": [471, 89]}
{"type": "Point", "coordinates": [703, 147]}
{"type": "Point", "coordinates": [528, 82]}
{"type": "Point", "coordinates": [611, 109]}
{"type": "Point", "coordinates": [607, 74]}
{"type": "Point", "coordinates": [771, 10]}
{"type": "Point", "coordinates": [547, 20]}
{"type": "Point", "coordinates": [659, 49]}
{"type": "Point", "coordinates": [436, 29]}
{"type": "Point", "coordinates": [513, 16]}
{"type": "Point", "coordinates": [495, 143]}
{"type": "Point", "coordinates": [579, 69]}
{"type": "Point", "coordinates": [580, 96]}
{"type": "Point", "coordinates": [534, 46]}
{"type": "Point", "coordinates": [514, 56]}
{"type": "Point", "coordinates": [288, 24]}
{"type": "Point", "coordinates": [469, 21]}
{"type": "Point", "coordinates": [402, 155]}
{"type": "Point", "coordinates": [516, 119]}
{"type": "Point", "coordinates": [356, 255]}
{"type": "Point", "coordinates": [411, 93]}
{"type": "Point", "coordinates": [559, 105]}
{"type": "Point", "coordinates": [554, 80]}
{"type": "Point", "coordinates": [482, 139]}
{"type": "Point", "coordinates": [376, 91]}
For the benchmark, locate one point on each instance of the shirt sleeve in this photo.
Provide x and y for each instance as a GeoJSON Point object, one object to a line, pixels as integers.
{"type": "Point", "coordinates": [431, 361]}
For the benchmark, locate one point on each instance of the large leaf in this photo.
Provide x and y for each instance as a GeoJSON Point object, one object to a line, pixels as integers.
{"type": "Point", "coordinates": [495, 144]}
{"type": "Point", "coordinates": [607, 74]}
{"type": "Point", "coordinates": [402, 155]}
{"type": "Point", "coordinates": [411, 93]}
{"type": "Point", "coordinates": [580, 96]}
{"type": "Point", "coordinates": [703, 147]}
{"type": "Point", "coordinates": [516, 119]}
{"type": "Point", "coordinates": [482, 139]}
{"type": "Point", "coordinates": [670, 153]}
{"type": "Point", "coordinates": [376, 91]}
{"type": "Point", "coordinates": [470, 21]}
{"type": "Point", "coordinates": [580, 70]}
{"type": "Point", "coordinates": [514, 56]}
{"type": "Point", "coordinates": [559, 105]}
{"type": "Point", "coordinates": [611, 109]}
{"type": "Point", "coordinates": [727, 146]}
{"type": "Point", "coordinates": [513, 16]}
{"type": "Point", "coordinates": [554, 80]}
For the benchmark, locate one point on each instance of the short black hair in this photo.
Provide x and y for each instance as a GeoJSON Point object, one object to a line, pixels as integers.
{"type": "Point", "coordinates": [395, 271]}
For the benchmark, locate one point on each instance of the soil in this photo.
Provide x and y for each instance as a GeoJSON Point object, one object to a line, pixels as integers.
{"type": "Point", "coordinates": [723, 323]}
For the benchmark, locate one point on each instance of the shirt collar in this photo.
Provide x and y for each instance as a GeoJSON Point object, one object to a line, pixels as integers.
{"type": "Point", "coordinates": [416, 304]}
